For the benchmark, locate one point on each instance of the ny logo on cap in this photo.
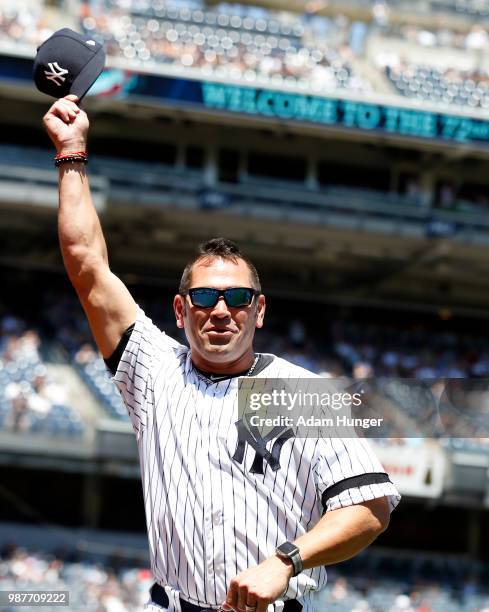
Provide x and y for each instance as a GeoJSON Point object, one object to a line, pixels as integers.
{"type": "Point", "coordinates": [56, 73]}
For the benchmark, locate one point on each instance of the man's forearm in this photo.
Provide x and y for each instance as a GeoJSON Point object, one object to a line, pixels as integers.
{"type": "Point", "coordinates": [339, 535]}
{"type": "Point", "coordinates": [80, 233]}
{"type": "Point", "coordinates": [343, 533]}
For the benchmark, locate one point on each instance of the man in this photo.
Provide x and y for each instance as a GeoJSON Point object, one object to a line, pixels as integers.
{"type": "Point", "coordinates": [216, 508]}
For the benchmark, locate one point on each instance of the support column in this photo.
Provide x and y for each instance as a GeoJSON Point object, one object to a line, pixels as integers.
{"type": "Point", "coordinates": [92, 498]}
{"type": "Point", "coordinates": [427, 189]}
{"type": "Point", "coordinates": [474, 534]}
{"type": "Point", "coordinates": [210, 166]}
{"type": "Point", "coordinates": [312, 173]}
{"type": "Point", "coordinates": [180, 160]}
{"type": "Point", "coordinates": [242, 166]}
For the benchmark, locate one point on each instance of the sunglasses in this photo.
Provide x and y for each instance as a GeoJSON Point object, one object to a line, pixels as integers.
{"type": "Point", "coordinates": [236, 297]}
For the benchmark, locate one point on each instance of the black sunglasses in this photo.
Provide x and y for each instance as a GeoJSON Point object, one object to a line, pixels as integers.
{"type": "Point", "coordinates": [235, 297]}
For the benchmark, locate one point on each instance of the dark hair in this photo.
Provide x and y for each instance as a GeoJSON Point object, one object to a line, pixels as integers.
{"type": "Point", "coordinates": [220, 248]}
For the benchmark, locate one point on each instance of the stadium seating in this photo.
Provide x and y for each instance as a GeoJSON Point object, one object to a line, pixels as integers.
{"type": "Point", "coordinates": [255, 45]}
{"type": "Point", "coordinates": [446, 87]}
{"type": "Point", "coordinates": [29, 400]}
{"type": "Point", "coordinates": [228, 42]}
{"type": "Point", "coordinates": [92, 586]}
{"type": "Point", "coordinates": [23, 23]}
{"type": "Point", "coordinates": [346, 348]}
{"type": "Point", "coordinates": [375, 580]}
{"type": "Point", "coordinates": [350, 349]}
{"type": "Point", "coordinates": [474, 8]}
{"type": "Point", "coordinates": [94, 373]}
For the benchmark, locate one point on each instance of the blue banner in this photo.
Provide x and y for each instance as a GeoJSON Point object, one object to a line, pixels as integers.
{"type": "Point", "coordinates": [278, 105]}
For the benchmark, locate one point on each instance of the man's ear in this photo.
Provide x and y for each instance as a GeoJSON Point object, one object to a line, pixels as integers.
{"type": "Point", "coordinates": [179, 308]}
{"type": "Point", "coordinates": [260, 310]}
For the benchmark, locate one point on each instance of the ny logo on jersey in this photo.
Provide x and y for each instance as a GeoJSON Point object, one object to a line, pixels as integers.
{"type": "Point", "coordinates": [56, 74]}
{"type": "Point", "coordinates": [250, 435]}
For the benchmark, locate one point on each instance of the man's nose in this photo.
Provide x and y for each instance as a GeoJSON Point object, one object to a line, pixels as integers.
{"type": "Point", "coordinates": [221, 308]}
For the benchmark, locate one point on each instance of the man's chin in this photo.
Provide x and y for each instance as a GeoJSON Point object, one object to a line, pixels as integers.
{"type": "Point", "coordinates": [218, 347]}
{"type": "Point", "coordinates": [214, 351]}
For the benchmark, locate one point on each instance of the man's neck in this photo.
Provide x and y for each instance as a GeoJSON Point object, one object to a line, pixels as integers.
{"type": "Point", "coordinates": [240, 366]}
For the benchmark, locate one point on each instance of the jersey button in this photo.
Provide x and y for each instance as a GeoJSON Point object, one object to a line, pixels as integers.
{"type": "Point", "coordinates": [218, 517]}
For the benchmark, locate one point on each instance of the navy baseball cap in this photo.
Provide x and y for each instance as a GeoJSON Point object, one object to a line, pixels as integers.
{"type": "Point", "coordinates": [68, 63]}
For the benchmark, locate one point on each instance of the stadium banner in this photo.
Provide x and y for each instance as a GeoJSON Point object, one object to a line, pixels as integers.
{"type": "Point", "coordinates": [319, 110]}
{"type": "Point", "coordinates": [416, 470]}
{"type": "Point", "coordinates": [342, 113]}
{"type": "Point", "coordinates": [274, 104]}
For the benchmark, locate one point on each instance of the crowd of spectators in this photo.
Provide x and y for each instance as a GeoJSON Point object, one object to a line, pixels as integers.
{"type": "Point", "coordinates": [475, 39]}
{"type": "Point", "coordinates": [92, 587]}
{"type": "Point", "coordinates": [230, 41]}
{"type": "Point", "coordinates": [365, 584]}
{"type": "Point", "coordinates": [30, 400]}
{"type": "Point", "coordinates": [256, 45]}
{"type": "Point", "coordinates": [440, 79]}
{"type": "Point", "coordinates": [473, 8]}
{"type": "Point", "coordinates": [341, 350]}
{"type": "Point", "coordinates": [24, 23]}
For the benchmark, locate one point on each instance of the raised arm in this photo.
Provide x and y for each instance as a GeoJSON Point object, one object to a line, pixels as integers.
{"type": "Point", "coordinates": [109, 306]}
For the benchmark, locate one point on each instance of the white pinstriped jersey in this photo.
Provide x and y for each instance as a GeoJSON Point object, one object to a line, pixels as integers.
{"type": "Point", "coordinates": [209, 515]}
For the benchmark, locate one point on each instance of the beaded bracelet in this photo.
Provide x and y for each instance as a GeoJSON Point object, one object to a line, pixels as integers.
{"type": "Point", "coordinates": [78, 156]}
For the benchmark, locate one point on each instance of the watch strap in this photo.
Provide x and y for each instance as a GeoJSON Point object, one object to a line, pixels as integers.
{"type": "Point", "coordinates": [297, 563]}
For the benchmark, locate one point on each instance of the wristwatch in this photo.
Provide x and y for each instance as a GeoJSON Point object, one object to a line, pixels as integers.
{"type": "Point", "coordinates": [287, 550]}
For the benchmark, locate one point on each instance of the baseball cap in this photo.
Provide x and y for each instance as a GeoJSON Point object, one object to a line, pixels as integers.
{"type": "Point", "coordinates": [68, 63]}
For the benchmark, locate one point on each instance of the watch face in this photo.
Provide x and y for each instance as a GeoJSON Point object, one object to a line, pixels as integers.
{"type": "Point", "coordinates": [287, 548]}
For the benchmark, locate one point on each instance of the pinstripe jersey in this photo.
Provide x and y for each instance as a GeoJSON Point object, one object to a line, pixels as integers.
{"type": "Point", "coordinates": [210, 513]}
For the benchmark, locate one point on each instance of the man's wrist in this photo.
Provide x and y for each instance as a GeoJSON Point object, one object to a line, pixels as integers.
{"type": "Point", "coordinates": [288, 564]}
{"type": "Point", "coordinates": [290, 552]}
{"type": "Point", "coordinates": [71, 147]}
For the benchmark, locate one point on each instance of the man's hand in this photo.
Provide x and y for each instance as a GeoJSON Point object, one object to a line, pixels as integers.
{"type": "Point", "coordinates": [258, 586]}
{"type": "Point", "coordinates": [67, 125]}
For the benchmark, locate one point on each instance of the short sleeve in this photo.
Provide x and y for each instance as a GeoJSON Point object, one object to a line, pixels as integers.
{"type": "Point", "coordinates": [348, 472]}
{"type": "Point", "coordinates": [133, 377]}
